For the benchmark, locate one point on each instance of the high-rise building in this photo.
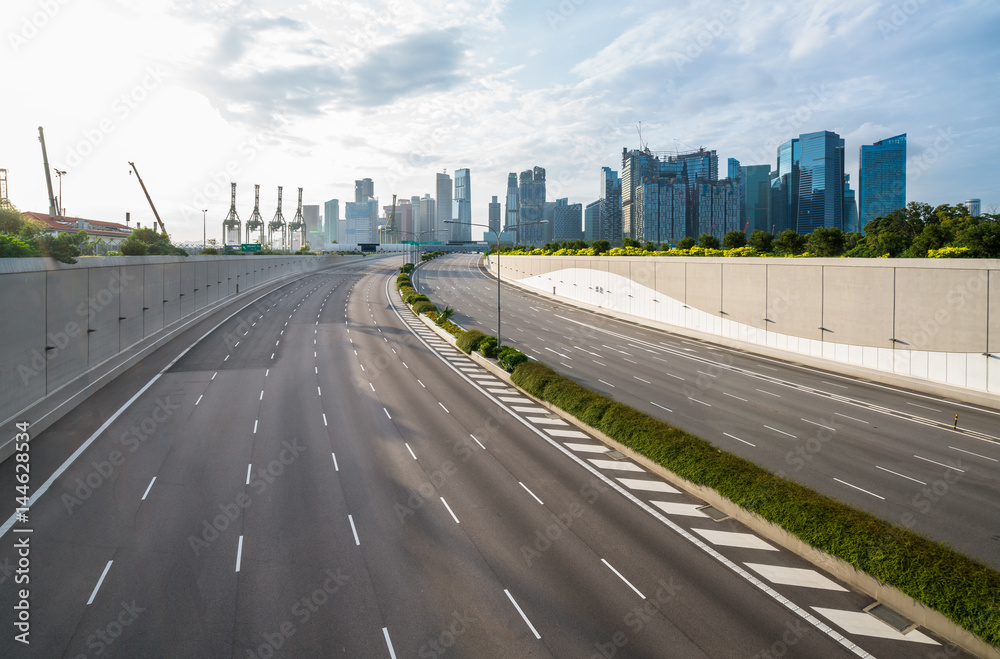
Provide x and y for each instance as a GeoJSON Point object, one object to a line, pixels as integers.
{"type": "Point", "coordinates": [331, 220]}
{"type": "Point", "coordinates": [444, 209]}
{"type": "Point", "coordinates": [609, 225]}
{"type": "Point", "coordinates": [755, 193]}
{"type": "Point", "coordinates": [784, 199]}
{"type": "Point", "coordinates": [974, 207]}
{"type": "Point", "coordinates": [850, 207]}
{"type": "Point", "coordinates": [881, 178]}
{"type": "Point", "coordinates": [402, 219]}
{"type": "Point", "coordinates": [364, 189]}
{"type": "Point", "coordinates": [494, 216]}
{"type": "Point", "coordinates": [362, 221]}
{"type": "Point", "coordinates": [463, 206]}
{"type": "Point", "coordinates": [567, 220]}
{"type": "Point", "coordinates": [592, 221]}
{"type": "Point", "coordinates": [641, 167]}
{"type": "Point", "coordinates": [510, 215]}
{"type": "Point", "coordinates": [531, 207]}
{"type": "Point", "coordinates": [821, 182]}
{"type": "Point", "coordinates": [426, 230]}
{"type": "Point", "coordinates": [314, 233]}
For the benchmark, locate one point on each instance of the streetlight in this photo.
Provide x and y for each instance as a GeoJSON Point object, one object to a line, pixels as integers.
{"type": "Point", "coordinates": [59, 173]}
{"type": "Point", "coordinates": [417, 243]}
{"type": "Point", "coordinates": [497, 234]}
{"type": "Point", "coordinates": [204, 242]}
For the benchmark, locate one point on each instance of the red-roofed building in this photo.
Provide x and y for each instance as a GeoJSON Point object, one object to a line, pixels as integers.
{"type": "Point", "coordinates": [111, 233]}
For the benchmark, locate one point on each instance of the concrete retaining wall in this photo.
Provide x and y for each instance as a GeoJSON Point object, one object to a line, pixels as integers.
{"type": "Point", "coordinates": [929, 324]}
{"type": "Point", "coordinates": [61, 321]}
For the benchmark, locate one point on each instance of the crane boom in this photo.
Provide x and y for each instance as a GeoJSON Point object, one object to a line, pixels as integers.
{"type": "Point", "coordinates": [54, 210]}
{"type": "Point", "coordinates": [163, 229]}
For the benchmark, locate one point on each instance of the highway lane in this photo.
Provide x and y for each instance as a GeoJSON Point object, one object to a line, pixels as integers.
{"type": "Point", "coordinates": [314, 477]}
{"type": "Point", "coordinates": [880, 448]}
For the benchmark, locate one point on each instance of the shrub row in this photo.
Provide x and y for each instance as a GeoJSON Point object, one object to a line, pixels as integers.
{"type": "Point", "coordinates": [961, 588]}
{"type": "Point", "coordinates": [470, 340]}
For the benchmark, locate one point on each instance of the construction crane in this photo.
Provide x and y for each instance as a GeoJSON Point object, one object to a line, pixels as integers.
{"type": "Point", "coordinates": [163, 229]}
{"type": "Point", "coordinates": [4, 198]}
{"type": "Point", "coordinates": [54, 210]}
{"type": "Point", "coordinates": [390, 227]}
{"type": "Point", "coordinates": [298, 224]}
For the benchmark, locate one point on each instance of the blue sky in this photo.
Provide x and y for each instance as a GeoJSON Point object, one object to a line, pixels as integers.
{"type": "Point", "coordinates": [317, 93]}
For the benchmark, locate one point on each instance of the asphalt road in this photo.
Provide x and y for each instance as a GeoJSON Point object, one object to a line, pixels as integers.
{"type": "Point", "coordinates": [884, 449]}
{"type": "Point", "coordinates": [317, 474]}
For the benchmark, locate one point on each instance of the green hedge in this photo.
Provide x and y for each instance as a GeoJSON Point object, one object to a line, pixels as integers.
{"type": "Point", "coordinates": [470, 340]}
{"type": "Point", "coordinates": [488, 347]}
{"type": "Point", "coordinates": [961, 588]}
{"type": "Point", "coordinates": [510, 358]}
{"type": "Point", "coordinates": [423, 306]}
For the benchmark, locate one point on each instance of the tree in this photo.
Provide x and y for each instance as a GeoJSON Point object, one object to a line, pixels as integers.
{"type": "Point", "coordinates": [133, 247]}
{"type": "Point", "coordinates": [983, 238]}
{"type": "Point", "coordinates": [601, 246]}
{"type": "Point", "coordinates": [734, 239]}
{"type": "Point", "coordinates": [708, 241]}
{"type": "Point", "coordinates": [761, 241]}
{"type": "Point", "coordinates": [209, 251]}
{"type": "Point", "coordinates": [687, 242]}
{"type": "Point", "coordinates": [826, 241]}
{"type": "Point", "coordinates": [650, 246]}
{"type": "Point", "coordinates": [789, 242]}
{"type": "Point", "coordinates": [11, 221]}
{"type": "Point", "coordinates": [61, 247]}
{"type": "Point", "coordinates": [12, 247]}
{"type": "Point", "coordinates": [630, 242]}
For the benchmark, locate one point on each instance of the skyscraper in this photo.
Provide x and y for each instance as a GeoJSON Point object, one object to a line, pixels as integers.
{"type": "Point", "coordinates": [881, 178]}
{"type": "Point", "coordinates": [463, 202]}
{"type": "Point", "coordinates": [609, 224]}
{"type": "Point", "coordinates": [331, 220]}
{"type": "Point", "coordinates": [567, 220]}
{"type": "Point", "coordinates": [592, 221]}
{"type": "Point", "coordinates": [821, 182]}
{"type": "Point", "coordinates": [510, 215]}
{"type": "Point", "coordinates": [444, 210]}
{"type": "Point", "coordinates": [310, 213]}
{"type": "Point", "coordinates": [531, 206]}
{"type": "Point", "coordinates": [428, 219]}
{"type": "Point", "coordinates": [494, 216]}
{"type": "Point", "coordinates": [642, 167]}
{"type": "Point", "coordinates": [755, 183]}
{"type": "Point", "coordinates": [362, 221]}
{"type": "Point", "coordinates": [974, 207]}
{"type": "Point", "coordinates": [364, 189]}
{"type": "Point", "coordinates": [850, 207]}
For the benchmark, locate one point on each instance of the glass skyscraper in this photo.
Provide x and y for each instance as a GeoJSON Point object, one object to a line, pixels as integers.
{"type": "Point", "coordinates": [755, 181]}
{"type": "Point", "coordinates": [881, 178]}
{"type": "Point", "coordinates": [609, 220]}
{"type": "Point", "coordinates": [821, 182]}
{"type": "Point", "coordinates": [531, 207]}
{"type": "Point", "coordinates": [463, 203]}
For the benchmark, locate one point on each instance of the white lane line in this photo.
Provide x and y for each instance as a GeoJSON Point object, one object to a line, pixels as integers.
{"type": "Point", "coordinates": [372, 386]}
{"type": "Point", "coordinates": [975, 454]}
{"type": "Point", "coordinates": [248, 473]}
{"type": "Point", "coordinates": [780, 431]}
{"type": "Point", "coordinates": [660, 406]}
{"type": "Point", "coordinates": [214, 374]}
{"type": "Point", "coordinates": [239, 554]}
{"type": "Point", "coordinates": [272, 355]}
{"type": "Point", "coordinates": [410, 450]}
{"type": "Point", "coordinates": [732, 539]}
{"type": "Point", "coordinates": [530, 492]}
{"type": "Point", "coordinates": [834, 385]}
{"type": "Point", "coordinates": [421, 383]}
{"type": "Point", "coordinates": [324, 420]}
{"type": "Point", "coordinates": [818, 424]}
{"type": "Point", "coordinates": [932, 409]}
{"type": "Point", "coordinates": [255, 426]}
{"type": "Point", "coordinates": [680, 509]}
{"type": "Point", "coordinates": [900, 475]}
{"type": "Point", "coordinates": [319, 392]}
{"type": "Point", "coordinates": [354, 530]}
{"type": "Point", "coordinates": [736, 397]}
{"type": "Point", "coordinates": [362, 368]}
{"type": "Point", "coordinates": [443, 407]}
{"type": "Point", "coordinates": [648, 486]}
{"type": "Point", "coordinates": [627, 582]}
{"type": "Point", "coordinates": [769, 393]}
{"type": "Point", "coordinates": [236, 344]}
{"type": "Point", "coordinates": [478, 442]}
{"type": "Point", "coordinates": [316, 369]}
{"type": "Point", "coordinates": [738, 439]}
{"type": "Point", "coordinates": [941, 464]}
{"type": "Point", "coordinates": [267, 372]}
{"type": "Point", "coordinates": [864, 624]}
{"type": "Point", "coordinates": [795, 576]}
{"type": "Point", "coordinates": [614, 464]}
{"type": "Point", "coordinates": [677, 377]}
{"type": "Point", "coordinates": [385, 632]}
{"type": "Point", "coordinates": [514, 602]}
{"type": "Point", "coordinates": [698, 401]}
{"type": "Point", "coordinates": [261, 395]}
{"type": "Point", "coordinates": [641, 380]}
{"type": "Point", "coordinates": [148, 488]}
{"type": "Point", "coordinates": [199, 399]}
{"type": "Point", "coordinates": [598, 363]}
{"type": "Point", "coordinates": [607, 383]}
{"type": "Point", "coordinates": [859, 489]}
{"type": "Point", "coordinates": [387, 413]}
{"type": "Point", "coordinates": [99, 582]}
{"type": "Point", "coordinates": [226, 359]}
{"type": "Point", "coordinates": [336, 467]}
{"type": "Point", "coordinates": [449, 510]}
{"type": "Point", "coordinates": [851, 417]}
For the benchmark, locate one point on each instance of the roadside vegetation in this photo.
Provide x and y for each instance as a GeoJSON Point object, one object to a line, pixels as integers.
{"type": "Point", "coordinates": [961, 588]}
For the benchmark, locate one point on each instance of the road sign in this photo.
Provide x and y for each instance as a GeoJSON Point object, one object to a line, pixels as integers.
{"type": "Point", "coordinates": [409, 242]}
{"type": "Point", "coordinates": [250, 247]}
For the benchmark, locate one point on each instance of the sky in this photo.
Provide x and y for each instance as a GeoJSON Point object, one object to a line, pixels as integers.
{"type": "Point", "coordinates": [318, 93]}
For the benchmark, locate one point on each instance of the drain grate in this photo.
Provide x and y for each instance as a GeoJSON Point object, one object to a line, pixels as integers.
{"type": "Point", "coordinates": [714, 513]}
{"type": "Point", "coordinates": [895, 620]}
{"type": "Point", "coordinates": [616, 455]}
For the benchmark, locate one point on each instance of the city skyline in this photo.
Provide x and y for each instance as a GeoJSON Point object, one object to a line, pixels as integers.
{"type": "Point", "coordinates": [396, 91]}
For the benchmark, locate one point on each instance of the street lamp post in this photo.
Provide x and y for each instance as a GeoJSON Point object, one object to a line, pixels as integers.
{"type": "Point", "coordinates": [59, 173]}
{"type": "Point", "coordinates": [497, 234]}
{"type": "Point", "coordinates": [204, 236]}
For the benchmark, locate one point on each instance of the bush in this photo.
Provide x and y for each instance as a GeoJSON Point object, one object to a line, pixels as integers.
{"type": "Point", "coordinates": [415, 297]}
{"type": "Point", "coordinates": [488, 347]}
{"type": "Point", "coordinates": [423, 306]}
{"type": "Point", "coordinates": [407, 268]}
{"type": "Point", "coordinates": [509, 358]}
{"type": "Point", "coordinates": [12, 247]}
{"type": "Point", "coordinates": [470, 340]}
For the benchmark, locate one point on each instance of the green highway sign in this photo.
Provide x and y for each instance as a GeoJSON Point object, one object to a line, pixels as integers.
{"type": "Point", "coordinates": [409, 242]}
{"type": "Point", "coordinates": [250, 247]}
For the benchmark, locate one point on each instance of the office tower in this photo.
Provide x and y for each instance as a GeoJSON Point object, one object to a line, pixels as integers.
{"type": "Point", "coordinates": [463, 206]}
{"type": "Point", "coordinates": [609, 225]}
{"type": "Point", "coordinates": [785, 188]}
{"type": "Point", "coordinates": [314, 234]}
{"type": "Point", "coordinates": [973, 206]}
{"type": "Point", "coordinates": [755, 193]}
{"type": "Point", "coordinates": [821, 182]}
{"type": "Point", "coordinates": [531, 207]}
{"type": "Point", "coordinates": [510, 216]}
{"type": "Point", "coordinates": [364, 189]}
{"type": "Point", "coordinates": [404, 218]}
{"type": "Point", "coordinates": [850, 207]}
{"type": "Point", "coordinates": [428, 219]}
{"type": "Point", "coordinates": [567, 220]}
{"type": "Point", "coordinates": [444, 209]}
{"type": "Point", "coordinates": [494, 216]}
{"type": "Point", "coordinates": [362, 221]}
{"type": "Point", "coordinates": [331, 220]}
{"type": "Point", "coordinates": [881, 178]}
{"type": "Point", "coordinates": [734, 171]}
{"type": "Point", "coordinates": [592, 221]}
{"type": "Point", "coordinates": [641, 167]}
